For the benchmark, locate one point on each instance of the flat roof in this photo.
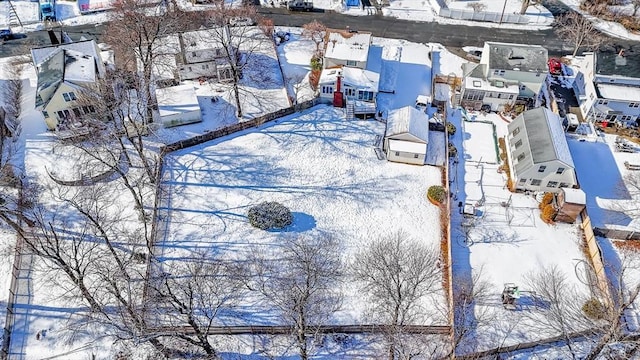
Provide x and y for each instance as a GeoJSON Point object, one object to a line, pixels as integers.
{"type": "Point", "coordinates": [177, 100]}
{"type": "Point", "coordinates": [608, 63]}
{"type": "Point", "coordinates": [518, 57]}
{"type": "Point", "coordinates": [346, 45]}
{"type": "Point", "coordinates": [618, 92]}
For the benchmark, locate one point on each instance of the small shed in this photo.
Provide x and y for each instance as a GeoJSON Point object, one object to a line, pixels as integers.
{"type": "Point", "coordinates": [407, 136]}
{"type": "Point", "coordinates": [570, 202]}
{"type": "Point", "coordinates": [178, 105]}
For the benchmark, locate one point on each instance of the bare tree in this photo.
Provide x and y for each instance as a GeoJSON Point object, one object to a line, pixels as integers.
{"type": "Point", "coordinates": [198, 292]}
{"type": "Point", "coordinates": [315, 31]}
{"type": "Point", "coordinates": [397, 274]}
{"type": "Point", "coordinates": [301, 283]}
{"type": "Point", "coordinates": [138, 33]}
{"type": "Point", "coordinates": [525, 6]}
{"type": "Point", "coordinates": [636, 6]}
{"type": "Point", "coordinates": [477, 6]}
{"type": "Point", "coordinates": [10, 110]}
{"type": "Point", "coordinates": [579, 31]}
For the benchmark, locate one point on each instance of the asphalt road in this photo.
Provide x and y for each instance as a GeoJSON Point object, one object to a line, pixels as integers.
{"type": "Point", "coordinates": [448, 35]}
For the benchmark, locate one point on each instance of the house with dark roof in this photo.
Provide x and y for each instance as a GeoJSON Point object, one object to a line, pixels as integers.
{"type": "Point", "coordinates": [607, 86]}
{"type": "Point", "coordinates": [63, 72]}
{"type": "Point", "coordinates": [538, 154]}
{"type": "Point", "coordinates": [508, 74]}
{"type": "Point", "coordinates": [407, 136]}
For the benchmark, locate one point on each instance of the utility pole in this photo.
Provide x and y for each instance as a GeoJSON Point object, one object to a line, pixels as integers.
{"type": "Point", "coordinates": [503, 8]}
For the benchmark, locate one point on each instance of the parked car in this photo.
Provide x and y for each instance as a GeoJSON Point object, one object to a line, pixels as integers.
{"type": "Point", "coordinates": [47, 11]}
{"type": "Point", "coordinates": [300, 5]}
{"type": "Point", "coordinates": [6, 34]}
{"type": "Point", "coordinates": [423, 102]}
{"type": "Point", "coordinates": [241, 21]}
{"type": "Point", "coordinates": [555, 66]}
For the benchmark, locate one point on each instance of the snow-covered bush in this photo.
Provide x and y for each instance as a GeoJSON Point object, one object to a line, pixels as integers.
{"type": "Point", "coordinates": [270, 215]}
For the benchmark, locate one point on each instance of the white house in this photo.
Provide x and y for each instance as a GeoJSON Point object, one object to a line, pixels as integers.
{"type": "Point", "coordinates": [607, 87]}
{"type": "Point", "coordinates": [360, 87]}
{"type": "Point", "coordinates": [346, 48]}
{"type": "Point", "coordinates": [407, 136]}
{"type": "Point", "coordinates": [538, 153]}
{"type": "Point", "coordinates": [63, 71]}
{"type": "Point", "coordinates": [178, 105]}
{"type": "Point", "coordinates": [507, 74]}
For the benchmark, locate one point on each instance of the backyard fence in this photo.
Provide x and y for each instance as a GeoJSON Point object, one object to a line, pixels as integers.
{"type": "Point", "coordinates": [211, 135]}
{"type": "Point", "coordinates": [595, 257]}
{"type": "Point", "coordinates": [487, 16]}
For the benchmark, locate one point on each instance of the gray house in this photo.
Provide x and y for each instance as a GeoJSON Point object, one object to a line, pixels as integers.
{"type": "Point", "coordinates": [507, 74]}
{"type": "Point", "coordinates": [538, 153]}
{"type": "Point", "coordinates": [407, 136]}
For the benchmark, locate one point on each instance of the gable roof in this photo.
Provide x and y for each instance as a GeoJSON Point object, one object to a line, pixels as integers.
{"type": "Point", "coordinates": [346, 45]}
{"type": "Point", "coordinates": [519, 57]}
{"type": "Point", "coordinates": [408, 120]}
{"type": "Point", "coordinates": [547, 141]}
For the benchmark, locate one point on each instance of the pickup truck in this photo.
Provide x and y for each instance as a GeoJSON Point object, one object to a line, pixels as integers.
{"type": "Point", "coordinates": [300, 5]}
{"type": "Point", "coordinates": [47, 11]}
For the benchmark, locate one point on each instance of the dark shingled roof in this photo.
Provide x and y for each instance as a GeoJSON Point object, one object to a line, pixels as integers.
{"type": "Point", "coordinates": [606, 64]}
{"type": "Point", "coordinates": [516, 56]}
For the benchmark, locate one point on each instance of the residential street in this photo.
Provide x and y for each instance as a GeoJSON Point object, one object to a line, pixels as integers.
{"type": "Point", "coordinates": [446, 34]}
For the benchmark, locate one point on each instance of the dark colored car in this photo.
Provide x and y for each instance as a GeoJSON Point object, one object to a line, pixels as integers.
{"type": "Point", "coordinates": [6, 34]}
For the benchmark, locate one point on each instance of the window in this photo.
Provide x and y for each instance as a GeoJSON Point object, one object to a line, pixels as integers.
{"type": "Point", "coordinates": [542, 168]}
{"type": "Point", "coordinates": [70, 96]}
{"type": "Point", "coordinates": [552, 184]}
{"type": "Point", "coordinates": [603, 102]}
{"type": "Point", "coordinates": [365, 95]}
{"type": "Point", "coordinates": [518, 143]}
{"type": "Point", "coordinates": [536, 182]}
{"type": "Point", "coordinates": [415, 156]}
{"type": "Point", "coordinates": [498, 72]}
{"type": "Point", "coordinates": [225, 74]}
{"type": "Point", "coordinates": [591, 96]}
{"type": "Point", "coordinates": [499, 96]}
{"type": "Point", "coordinates": [193, 54]}
{"type": "Point", "coordinates": [63, 114]}
{"type": "Point", "coordinates": [516, 131]}
{"type": "Point", "coordinates": [45, 114]}
{"type": "Point", "coordinates": [523, 87]}
{"type": "Point", "coordinates": [510, 97]}
{"type": "Point", "coordinates": [564, 185]}
{"type": "Point", "coordinates": [397, 153]}
{"type": "Point", "coordinates": [205, 66]}
{"type": "Point", "coordinates": [560, 170]}
{"type": "Point", "coordinates": [537, 74]}
{"type": "Point", "coordinates": [522, 181]}
{"type": "Point", "coordinates": [349, 92]}
{"type": "Point", "coordinates": [634, 105]}
{"type": "Point", "coordinates": [521, 157]}
{"type": "Point", "coordinates": [474, 95]}
{"type": "Point", "coordinates": [352, 63]}
{"type": "Point", "coordinates": [477, 83]}
{"type": "Point", "coordinates": [76, 112]}
{"type": "Point", "coordinates": [327, 89]}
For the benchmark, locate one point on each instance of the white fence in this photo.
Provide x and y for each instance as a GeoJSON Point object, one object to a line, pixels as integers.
{"type": "Point", "coordinates": [483, 16]}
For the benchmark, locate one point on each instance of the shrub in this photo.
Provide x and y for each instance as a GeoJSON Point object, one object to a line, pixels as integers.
{"type": "Point", "coordinates": [453, 151]}
{"type": "Point", "coordinates": [546, 200]}
{"type": "Point", "coordinates": [316, 63]}
{"type": "Point", "coordinates": [270, 215]}
{"type": "Point", "coordinates": [548, 213]}
{"type": "Point", "coordinates": [437, 193]}
{"type": "Point", "coordinates": [451, 129]}
{"type": "Point", "coordinates": [594, 309]}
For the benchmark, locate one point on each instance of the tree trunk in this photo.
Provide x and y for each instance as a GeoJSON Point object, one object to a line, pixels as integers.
{"type": "Point", "coordinates": [525, 6]}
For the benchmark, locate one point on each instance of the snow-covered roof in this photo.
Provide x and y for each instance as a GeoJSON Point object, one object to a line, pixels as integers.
{"type": "Point", "coordinates": [205, 39]}
{"type": "Point", "coordinates": [408, 120]}
{"type": "Point", "coordinates": [519, 57]}
{"type": "Point", "coordinates": [346, 45]}
{"type": "Point", "coordinates": [177, 100]}
{"type": "Point", "coordinates": [547, 140]}
{"type": "Point", "coordinates": [441, 92]}
{"type": "Point", "coordinates": [574, 196]}
{"type": "Point", "coordinates": [79, 67]}
{"type": "Point", "coordinates": [357, 78]}
{"type": "Point", "coordinates": [87, 47]}
{"type": "Point", "coordinates": [618, 92]}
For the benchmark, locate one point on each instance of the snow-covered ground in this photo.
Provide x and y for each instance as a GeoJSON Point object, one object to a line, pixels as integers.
{"type": "Point", "coordinates": [506, 241]}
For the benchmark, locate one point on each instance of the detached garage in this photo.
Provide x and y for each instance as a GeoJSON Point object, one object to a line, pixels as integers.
{"type": "Point", "coordinates": [178, 105]}
{"type": "Point", "coordinates": [407, 136]}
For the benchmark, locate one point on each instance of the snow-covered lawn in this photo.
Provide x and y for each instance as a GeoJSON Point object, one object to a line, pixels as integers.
{"type": "Point", "coordinates": [322, 167]}
{"type": "Point", "coordinates": [506, 242]}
